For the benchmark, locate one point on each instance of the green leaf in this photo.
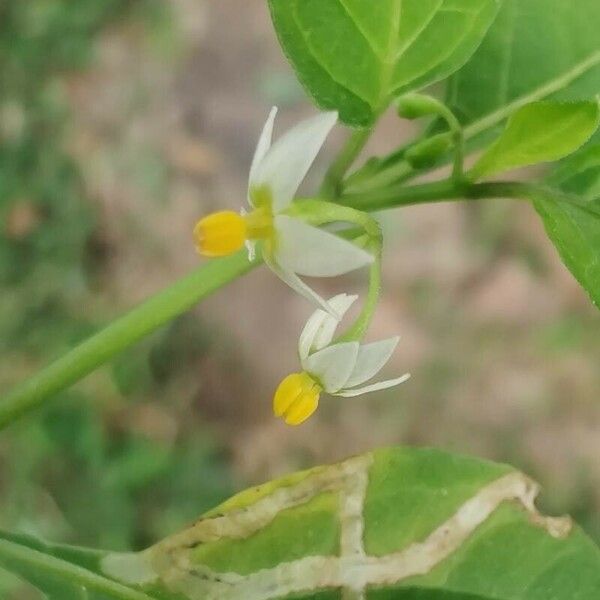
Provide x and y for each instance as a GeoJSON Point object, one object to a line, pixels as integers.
{"type": "Point", "coordinates": [580, 173]}
{"type": "Point", "coordinates": [535, 49]}
{"type": "Point", "coordinates": [354, 56]}
{"type": "Point", "coordinates": [572, 215]}
{"type": "Point", "coordinates": [414, 524]}
{"type": "Point", "coordinates": [63, 572]}
{"type": "Point", "coordinates": [574, 228]}
{"type": "Point", "coordinates": [537, 133]}
{"type": "Point", "coordinates": [393, 524]}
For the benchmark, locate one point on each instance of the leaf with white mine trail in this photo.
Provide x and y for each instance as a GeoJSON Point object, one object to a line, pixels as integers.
{"type": "Point", "coordinates": [395, 524]}
{"type": "Point", "coordinates": [354, 56]}
{"type": "Point", "coordinates": [409, 524]}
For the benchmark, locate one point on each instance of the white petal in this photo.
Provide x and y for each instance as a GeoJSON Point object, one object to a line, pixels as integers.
{"type": "Point", "coordinates": [320, 327]}
{"type": "Point", "coordinates": [311, 251]}
{"type": "Point", "coordinates": [285, 165]}
{"type": "Point", "coordinates": [382, 385]}
{"type": "Point", "coordinates": [312, 327]}
{"type": "Point", "coordinates": [371, 359]}
{"type": "Point", "coordinates": [251, 248]}
{"type": "Point", "coordinates": [298, 285]}
{"type": "Point", "coordinates": [327, 331]}
{"type": "Point", "coordinates": [264, 143]}
{"type": "Point", "coordinates": [332, 365]}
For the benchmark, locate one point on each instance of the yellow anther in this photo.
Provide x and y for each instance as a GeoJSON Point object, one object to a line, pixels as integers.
{"type": "Point", "coordinates": [220, 234]}
{"type": "Point", "coordinates": [296, 398]}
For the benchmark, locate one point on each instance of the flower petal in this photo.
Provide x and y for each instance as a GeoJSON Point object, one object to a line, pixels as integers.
{"type": "Point", "coordinates": [264, 143]}
{"type": "Point", "coordinates": [327, 331]}
{"type": "Point", "coordinates": [286, 163]}
{"type": "Point", "coordinates": [297, 284]}
{"type": "Point", "coordinates": [320, 327]}
{"type": "Point", "coordinates": [382, 385]}
{"type": "Point", "coordinates": [311, 251]}
{"type": "Point", "coordinates": [371, 359]}
{"type": "Point", "coordinates": [333, 365]}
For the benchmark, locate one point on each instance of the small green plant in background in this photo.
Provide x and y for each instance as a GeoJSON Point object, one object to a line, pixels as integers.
{"type": "Point", "coordinates": [522, 79]}
{"type": "Point", "coordinates": [77, 459]}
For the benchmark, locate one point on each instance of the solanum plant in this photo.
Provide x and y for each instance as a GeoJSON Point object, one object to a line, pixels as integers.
{"type": "Point", "coordinates": [521, 79]}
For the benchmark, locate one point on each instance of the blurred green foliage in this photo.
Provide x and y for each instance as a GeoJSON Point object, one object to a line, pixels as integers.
{"type": "Point", "coordinates": [81, 472]}
{"type": "Point", "coordinates": [47, 221]}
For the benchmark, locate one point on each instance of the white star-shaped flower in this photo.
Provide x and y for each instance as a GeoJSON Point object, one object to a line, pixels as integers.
{"type": "Point", "coordinates": [290, 247]}
{"type": "Point", "coordinates": [340, 369]}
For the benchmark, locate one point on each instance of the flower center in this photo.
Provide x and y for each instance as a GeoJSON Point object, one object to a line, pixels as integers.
{"type": "Point", "coordinates": [296, 398]}
{"type": "Point", "coordinates": [223, 233]}
{"type": "Point", "coordinates": [259, 223]}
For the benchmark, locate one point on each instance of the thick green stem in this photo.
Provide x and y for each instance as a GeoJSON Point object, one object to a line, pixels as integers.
{"type": "Point", "coordinates": [438, 191]}
{"type": "Point", "coordinates": [331, 186]}
{"type": "Point", "coordinates": [122, 333]}
{"type": "Point", "coordinates": [17, 557]}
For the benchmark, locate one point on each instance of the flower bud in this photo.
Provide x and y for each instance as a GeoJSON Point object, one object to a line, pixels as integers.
{"type": "Point", "coordinates": [427, 153]}
{"type": "Point", "coordinates": [415, 106]}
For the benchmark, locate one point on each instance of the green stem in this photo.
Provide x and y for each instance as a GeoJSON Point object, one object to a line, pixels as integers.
{"type": "Point", "coordinates": [396, 173]}
{"type": "Point", "coordinates": [361, 325]}
{"type": "Point", "coordinates": [458, 137]}
{"type": "Point", "coordinates": [334, 176]}
{"type": "Point", "coordinates": [122, 333]}
{"type": "Point", "coordinates": [14, 555]}
{"type": "Point", "coordinates": [438, 191]}
{"type": "Point", "coordinates": [318, 212]}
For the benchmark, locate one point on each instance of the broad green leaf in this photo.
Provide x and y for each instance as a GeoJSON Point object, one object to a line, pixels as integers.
{"type": "Point", "coordinates": [574, 228]}
{"type": "Point", "coordinates": [354, 56]}
{"type": "Point", "coordinates": [535, 49]}
{"type": "Point", "coordinates": [537, 133]}
{"type": "Point", "coordinates": [408, 524]}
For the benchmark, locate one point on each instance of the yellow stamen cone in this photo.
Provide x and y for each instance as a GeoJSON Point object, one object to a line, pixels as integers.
{"type": "Point", "coordinates": [296, 398]}
{"type": "Point", "coordinates": [303, 408]}
{"type": "Point", "coordinates": [220, 234]}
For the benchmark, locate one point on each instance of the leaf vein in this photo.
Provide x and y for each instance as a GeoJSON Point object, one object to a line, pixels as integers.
{"type": "Point", "coordinates": [361, 31]}
{"type": "Point", "coordinates": [319, 62]}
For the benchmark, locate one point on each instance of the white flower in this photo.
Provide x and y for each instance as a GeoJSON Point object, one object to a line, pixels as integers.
{"type": "Point", "coordinates": [339, 369]}
{"type": "Point", "coordinates": [291, 247]}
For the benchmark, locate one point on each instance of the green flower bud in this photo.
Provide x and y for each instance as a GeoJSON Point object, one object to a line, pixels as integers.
{"type": "Point", "coordinates": [426, 154]}
{"type": "Point", "coordinates": [416, 106]}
